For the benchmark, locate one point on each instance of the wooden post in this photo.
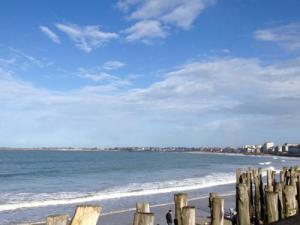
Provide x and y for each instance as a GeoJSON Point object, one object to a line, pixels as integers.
{"type": "Point", "coordinates": [290, 203]}
{"type": "Point", "coordinates": [238, 181]}
{"type": "Point", "coordinates": [243, 205]}
{"type": "Point", "coordinates": [272, 206]}
{"type": "Point", "coordinates": [188, 215]}
{"type": "Point", "coordinates": [86, 215]}
{"type": "Point", "coordinates": [262, 196]}
{"type": "Point", "coordinates": [257, 195]}
{"type": "Point", "coordinates": [211, 196]}
{"type": "Point", "coordinates": [294, 179]}
{"type": "Point", "coordinates": [298, 188]}
{"type": "Point", "coordinates": [243, 178]}
{"type": "Point", "coordinates": [143, 218]}
{"type": "Point", "coordinates": [238, 175]}
{"type": "Point", "coordinates": [217, 211]}
{"type": "Point", "coordinates": [180, 202]}
{"type": "Point", "coordinates": [278, 189]}
{"type": "Point", "coordinates": [284, 174]}
{"type": "Point", "coordinates": [269, 180]}
{"type": "Point", "coordinates": [250, 190]}
{"type": "Point", "coordinates": [143, 207]}
{"type": "Point", "coordinates": [288, 177]}
{"type": "Point", "coordinates": [57, 220]}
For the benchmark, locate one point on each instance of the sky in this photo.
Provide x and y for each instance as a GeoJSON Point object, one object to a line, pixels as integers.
{"type": "Point", "coordinates": [149, 72]}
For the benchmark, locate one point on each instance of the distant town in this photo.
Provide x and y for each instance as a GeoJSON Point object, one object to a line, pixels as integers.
{"type": "Point", "coordinates": [269, 148]}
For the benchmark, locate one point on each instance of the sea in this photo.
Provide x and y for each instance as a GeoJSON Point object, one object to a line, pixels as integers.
{"type": "Point", "coordinates": [34, 184]}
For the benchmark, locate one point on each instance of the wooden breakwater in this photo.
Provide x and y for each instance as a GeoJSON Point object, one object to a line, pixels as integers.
{"type": "Point", "coordinates": [257, 202]}
{"type": "Point", "coordinates": [260, 203]}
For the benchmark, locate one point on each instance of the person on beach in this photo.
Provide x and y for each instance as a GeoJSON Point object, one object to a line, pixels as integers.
{"type": "Point", "coordinates": [234, 219]}
{"type": "Point", "coordinates": [169, 217]}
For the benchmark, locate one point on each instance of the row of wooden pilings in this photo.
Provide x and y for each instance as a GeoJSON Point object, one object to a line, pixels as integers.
{"type": "Point", "coordinates": [184, 214]}
{"type": "Point", "coordinates": [264, 204]}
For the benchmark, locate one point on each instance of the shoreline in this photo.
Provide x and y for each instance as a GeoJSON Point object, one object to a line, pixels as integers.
{"type": "Point", "coordinates": [129, 151]}
{"type": "Point", "coordinates": [243, 154]}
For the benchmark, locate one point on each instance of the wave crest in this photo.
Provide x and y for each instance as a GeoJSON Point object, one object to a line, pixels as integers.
{"type": "Point", "coordinates": [131, 190]}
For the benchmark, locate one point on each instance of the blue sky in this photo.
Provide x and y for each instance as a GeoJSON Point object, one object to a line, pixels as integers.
{"type": "Point", "coordinates": [149, 72]}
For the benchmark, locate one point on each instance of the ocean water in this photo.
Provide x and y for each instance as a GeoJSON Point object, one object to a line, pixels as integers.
{"type": "Point", "coordinates": [34, 184]}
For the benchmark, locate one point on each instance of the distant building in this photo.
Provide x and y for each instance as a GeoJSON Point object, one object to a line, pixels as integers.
{"type": "Point", "coordinates": [268, 147]}
{"type": "Point", "coordinates": [278, 149]}
{"type": "Point", "coordinates": [252, 149]}
{"type": "Point", "coordinates": [287, 147]}
{"type": "Point", "coordinates": [294, 149]}
{"type": "Point", "coordinates": [258, 149]}
{"type": "Point", "coordinates": [249, 148]}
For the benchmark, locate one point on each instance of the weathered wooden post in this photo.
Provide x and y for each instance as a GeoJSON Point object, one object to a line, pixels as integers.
{"type": "Point", "coordinates": [269, 180]}
{"type": "Point", "coordinates": [250, 190]}
{"type": "Point", "coordinates": [143, 207]}
{"type": "Point", "coordinates": [298, 188]}
{"type": "Point", "coordinates": [243, 178]}
{"type": "Point", "coordinates": [180, 202]}
{"type": "Point", "coordinates": [238, 181]}
{"type": "Point", "coordinates": [262, 194]}
{"type": "Point", "coordinates": [290, 203]}
{"type": "Point", "coordinates": [288, 177]}
{"type": "Point", "coordinates": [272, 206]}
{"type": "Point", "coordinates": [257, 195]}
{"type": "Point", "coordinates": [294, 180]}
{"type": "Point", "coordinates": [243, 205]}
{"type": "Point", "coordinates": [211, 196]}
{"type": "Point", "coordinates": [86, 215]}
{"type": "Point", "coordinates": [57, 220]}
{"type": "Point", "coordinates": [188, 215]}
{"type": "Point", "coordinates": [284, 176]}
{"type": "Point", "coordinates": [217, 217]}
{"type": "Point", "coordinates": [143, 218]}
{"type": "Point", "coordinates": [278, 189]}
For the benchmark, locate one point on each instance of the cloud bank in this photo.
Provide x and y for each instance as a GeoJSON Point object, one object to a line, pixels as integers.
{"type": "Point", "coordinates": [234, 99]}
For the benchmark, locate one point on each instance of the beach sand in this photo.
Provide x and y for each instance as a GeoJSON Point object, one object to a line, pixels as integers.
{"type": "Point", "coordinates": [202, 212]}
{"type": "Point", "coordinates": [125, 217]}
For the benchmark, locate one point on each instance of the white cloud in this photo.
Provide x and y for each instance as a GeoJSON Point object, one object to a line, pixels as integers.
{"type": "Point", "coordinates": [88, 37]}
{"type": "Point", "coordinates": [287, 36]}
{"type": "Point", "coordinates": [145, 30]}
{"type": "Point", "coordinates": [97, 75]}
{"type": "Point", "coordinates": [167, 13]}
{"type": "Point", "coordinates": [123, 5]}
{"type": "Point", "coordinates": [24, 60]}
{"type": "Point", "coordinates": [194, 104]}
{"type": "Point", "coordinates": [113, 65]}
{"type": "Point", "coordinates": [50, 34]}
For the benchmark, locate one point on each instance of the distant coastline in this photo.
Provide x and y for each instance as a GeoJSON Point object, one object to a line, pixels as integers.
{"type": "Point", "coordinates": [207, 150]}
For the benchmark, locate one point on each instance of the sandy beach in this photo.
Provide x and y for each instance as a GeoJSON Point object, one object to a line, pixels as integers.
{"type": "Point", "coordinates": [202, 212]}
{"type": "Point", "coordinates": [126, 216]}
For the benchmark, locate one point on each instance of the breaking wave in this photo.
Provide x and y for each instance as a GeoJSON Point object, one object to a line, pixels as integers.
{"type": "Point", "coordinates": [31, 200]}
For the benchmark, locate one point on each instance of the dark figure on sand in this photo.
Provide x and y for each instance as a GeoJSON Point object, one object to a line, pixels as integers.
{"type": "Point", "coordinates": [234, 219]}
{"type": "Point", "coordinates": [169, 217]}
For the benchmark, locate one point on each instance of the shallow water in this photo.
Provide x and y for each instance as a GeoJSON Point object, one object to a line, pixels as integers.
{"type": "Point", "coordinates": [34, 184]}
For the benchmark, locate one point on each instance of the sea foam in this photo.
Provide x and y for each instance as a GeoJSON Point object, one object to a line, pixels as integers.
{"type": "Point", "coordinates": [130, 190]}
